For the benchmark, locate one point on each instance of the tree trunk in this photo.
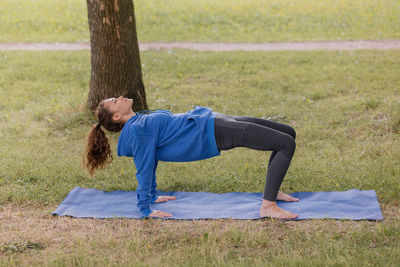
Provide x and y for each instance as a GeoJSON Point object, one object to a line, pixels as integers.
{"type": "Point", "coordinates": [115, 59]}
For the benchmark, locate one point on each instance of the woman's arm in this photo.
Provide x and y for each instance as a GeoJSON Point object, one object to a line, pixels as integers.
{"type": "Point", "coordinates": [144, 150]}
{"type": "Point", "coordinates": [153, 191]}
{"type": "Point", "coordinates": [144, 155]}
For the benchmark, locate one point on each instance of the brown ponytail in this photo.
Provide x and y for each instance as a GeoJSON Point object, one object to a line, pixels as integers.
{"type": "Point", "coordinates": [98, 152]}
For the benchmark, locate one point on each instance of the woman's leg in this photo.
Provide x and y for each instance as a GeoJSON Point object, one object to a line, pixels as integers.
{"type": "Point", "coordinates": [231, 131]}
{"type": "Point", "coordinates": [271, 124]}
{"type": "Point", "coordinates": [267, 123]}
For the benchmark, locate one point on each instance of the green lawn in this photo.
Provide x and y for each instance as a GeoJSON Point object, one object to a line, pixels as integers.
{"type": "Point", "coordinates": [345, 107]}
{"type": "Point", "coordinates": [209, 20]}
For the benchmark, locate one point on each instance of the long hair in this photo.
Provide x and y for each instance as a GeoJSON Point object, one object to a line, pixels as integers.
{"type": "Point", "coordinates": [98, 152]}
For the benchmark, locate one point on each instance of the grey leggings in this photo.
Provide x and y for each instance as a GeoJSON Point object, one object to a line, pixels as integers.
{"type": "Point", "coordinates": [259, 134]}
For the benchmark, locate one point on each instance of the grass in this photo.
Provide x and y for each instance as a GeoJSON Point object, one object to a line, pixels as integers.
{"type": "Point", "coordinates": [345, 107]}
{"type": "Point", "coordinates": [210, 20]}
{"type": "Point", "coordinates": [123, 242]}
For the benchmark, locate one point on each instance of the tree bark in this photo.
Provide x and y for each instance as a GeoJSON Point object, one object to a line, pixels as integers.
{"type": "Point", "coordinates": [115, 60]}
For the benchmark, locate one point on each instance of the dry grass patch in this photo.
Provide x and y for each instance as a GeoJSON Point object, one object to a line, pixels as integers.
{"type": "Point", "coordinates": [125, 241]}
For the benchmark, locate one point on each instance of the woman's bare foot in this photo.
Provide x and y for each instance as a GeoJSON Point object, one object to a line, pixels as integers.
{"type": "Point", "coordinates": [270, 209]}
{"type": "Point", "coordinates": [285, 197]}
{"type": "Point", "coordinates": [160, 214]}
{"type": "Point", "coordinates": [164, 199]}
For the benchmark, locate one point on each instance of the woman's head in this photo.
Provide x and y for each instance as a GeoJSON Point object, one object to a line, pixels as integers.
{"type": "Point", "coordinates": [112, 114]}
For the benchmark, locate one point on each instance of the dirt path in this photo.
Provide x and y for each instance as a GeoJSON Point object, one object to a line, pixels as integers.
{"type": "Point", "coordinates": [297, 46]}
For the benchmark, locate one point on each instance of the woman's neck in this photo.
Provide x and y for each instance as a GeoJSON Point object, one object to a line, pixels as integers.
{"type": "Point", "coordinates": [126, 117]}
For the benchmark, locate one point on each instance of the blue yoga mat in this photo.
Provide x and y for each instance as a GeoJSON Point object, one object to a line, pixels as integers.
{"type": "Point", "coordinates": [91, 203]}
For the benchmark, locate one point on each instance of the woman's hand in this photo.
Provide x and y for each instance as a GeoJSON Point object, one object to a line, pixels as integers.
{"type": "Point", "coordinates": [164, 199]}
{"type": "Point", "coordinates": [160, 214]}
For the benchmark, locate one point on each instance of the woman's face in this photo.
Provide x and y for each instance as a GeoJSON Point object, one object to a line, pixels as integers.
{"type": "Point", "coordinates": [120, 105]}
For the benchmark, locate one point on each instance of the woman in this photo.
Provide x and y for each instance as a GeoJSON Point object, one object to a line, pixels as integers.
{"type": "Point", "coordinates": [150, 136]}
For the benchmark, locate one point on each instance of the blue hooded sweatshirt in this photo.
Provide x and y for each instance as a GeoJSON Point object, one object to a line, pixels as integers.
{"type": "Point", "coordinates": [163, 135]}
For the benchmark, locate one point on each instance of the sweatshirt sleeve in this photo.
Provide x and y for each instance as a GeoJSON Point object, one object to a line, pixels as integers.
{"type": "Point", "coordinates": [153, 192]}
{"type": "Point", "coordinates": [144, 156]}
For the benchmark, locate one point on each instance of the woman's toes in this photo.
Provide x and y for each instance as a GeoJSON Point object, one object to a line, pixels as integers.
{"type": "Point", "coordinates": [276, 212]}
{"type": "Point", "coordinates": [284, 197]}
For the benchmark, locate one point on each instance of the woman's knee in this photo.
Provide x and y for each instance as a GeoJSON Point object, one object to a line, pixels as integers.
{"type": "Point", "coordinates": [292, 132]}
{"type": "Point", "coordinates": [288, 145]}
